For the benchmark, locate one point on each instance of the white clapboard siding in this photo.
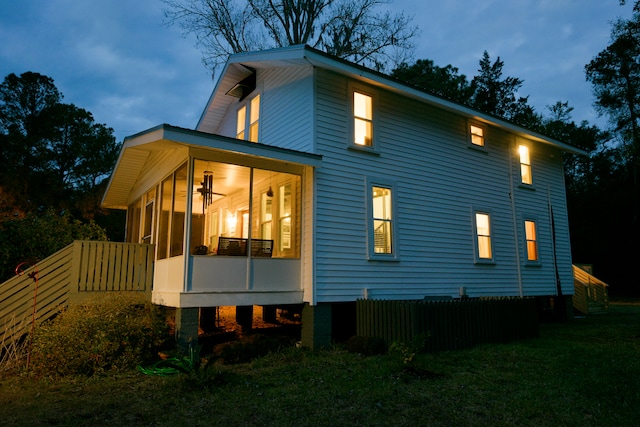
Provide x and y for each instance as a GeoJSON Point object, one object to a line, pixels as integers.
{"type": "Point", "coordinates": [439, 181]}
{"type": "Point", "coordinates": [286, 108]}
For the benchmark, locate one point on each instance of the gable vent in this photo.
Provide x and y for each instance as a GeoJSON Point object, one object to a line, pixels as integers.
{"type": "Point", "coordinates": [244, 87]}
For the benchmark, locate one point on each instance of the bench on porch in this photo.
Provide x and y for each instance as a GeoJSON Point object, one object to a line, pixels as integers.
{"type": "Point", "coordinates": [235, 246]}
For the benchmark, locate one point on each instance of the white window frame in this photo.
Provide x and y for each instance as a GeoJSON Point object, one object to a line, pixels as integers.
{"type": "Point", "coordinates": [372, 254]}
{"type": "Point", "coordinates": [477, 236]}
{"type": "Point", "coordinates": [536, 261]}
{"type": "Point", "coordinates": [526, 168]}
{"type": "Point", "coordinates": [247, 120]}
{"type": "Point", "coordinates": [471, 125]}
{"type": "Point", "coordinates": [352, 90]}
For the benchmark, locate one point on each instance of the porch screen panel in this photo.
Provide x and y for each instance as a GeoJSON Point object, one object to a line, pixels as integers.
{"type": "Point", "coordinates": [276, 212]}
{"type": "Point", "coordinates": [179, 211]}
{"type": "Point", "coordinates": [220, 206]}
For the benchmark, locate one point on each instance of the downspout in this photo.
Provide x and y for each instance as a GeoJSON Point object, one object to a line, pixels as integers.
{"type": "Point", "coordinates": [515, 222]}
{"type": "Point", "coordinates": [560, 304]}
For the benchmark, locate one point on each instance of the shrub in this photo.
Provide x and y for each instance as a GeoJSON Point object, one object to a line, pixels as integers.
{"type": "Point", "coordinates": [366, 346]}
{"type": "Point", "coordinates": [117, 333]}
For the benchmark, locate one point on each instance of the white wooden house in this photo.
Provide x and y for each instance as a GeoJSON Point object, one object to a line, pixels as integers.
{"type": "Point", "coordinates": [311, 180]}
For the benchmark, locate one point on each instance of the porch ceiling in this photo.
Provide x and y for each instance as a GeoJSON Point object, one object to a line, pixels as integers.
{"type": "Point", "coordinates": [137, 149]}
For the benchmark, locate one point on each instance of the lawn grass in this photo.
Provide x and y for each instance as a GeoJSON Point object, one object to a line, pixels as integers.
{"type": "Point", "coordinates": [583, 373]}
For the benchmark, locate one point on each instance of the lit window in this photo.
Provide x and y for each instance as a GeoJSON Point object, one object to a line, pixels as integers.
{"type": "Point", "coordinates": [477, 135]}
{"type": "Point", "coordinates": [382, 220]}
{"type": "Point", "coordinates": [254, 118]}
{"type": "Point", "coordinates": [266, 215]}
{"type": "Point", "coordinates": [525, 165]}
{"type": "Point", "coordinates": [532, 240]}
{"type": "Point", "coordinates": [483, 236]}
{"type": "Point", "coordinates": [253, 115]}
{"type": "Point", "coordinates": [363, 119]}
{"type": "Point", "coordinates": [284, 212]}
{"type": "Point", "coordinates": [241, 122]}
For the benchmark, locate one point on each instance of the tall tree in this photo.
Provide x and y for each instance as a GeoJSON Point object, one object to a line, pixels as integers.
{"type": "Point", "coordinates": [446, 82]}
{"type": "Point", "coordinates": [615, 77]}
{"type": "Point", "coordinates": [54, 155]}
{"type": "Point", "coordinates": [349, 29]}
{"type": "Point", "coordinates": [499, 96]}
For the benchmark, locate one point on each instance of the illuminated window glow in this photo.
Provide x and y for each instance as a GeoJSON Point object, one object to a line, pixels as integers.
{"type": "Point", "coordinates": [531, 237]}
{"type": "Point", "coordinates": [382, 220]}
{"type": "Point", "coordinates": [253, 115]}
{"type": "Point", "coordinates": [363, 119]}
{"type": "Point", "coordinates": [525, 165]}
{"type": "Point", "coordinates": [483, 234]}
{"type": "Point", "coordinates": [254, 118]}
{"type": "Point", "coordinates": [477, 135]}
{"type": "Point", "coordinates": [241, 122]}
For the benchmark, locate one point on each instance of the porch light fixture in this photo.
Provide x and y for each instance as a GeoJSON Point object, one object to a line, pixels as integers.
{"type": "Point", "coordinates": [270, 190]}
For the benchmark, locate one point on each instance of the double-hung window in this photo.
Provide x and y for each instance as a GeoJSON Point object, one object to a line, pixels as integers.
{"type": "Point", "coordinates": [382, 240]}
{"type": "Point", "coordinates": [476, 135]}
{"type": "Point", "coordinates": [482, 228]}
{"type": "Point", "coordinates": [531, 237]}
{"type": "Point", "coordinates": [248, 117]}
{"type": "Point", "coordinates": [362, 119]}
{"type": "Point", "coordinates": [525, 165]}
{"type": "Point", "coordinates": [362, 132]}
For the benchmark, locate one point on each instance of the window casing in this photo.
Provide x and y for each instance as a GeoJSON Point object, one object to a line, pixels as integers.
{"type": "Point", "coordinates": [248, 117]}
{"type": "Point", "coordinates": [531, 238]}
{"type": "Point", "coordinates": [362, 119]}
{"type": "Point", "coordinates": [362, 130]}
{"type": "Point", "coordinates": [525, 165]}
{"type": "Point", "coordinates": [382, 229]}
{"type": "Point", "coordinates": [483, 243]}
{"type": "Point", "coordinates": [476, 135]}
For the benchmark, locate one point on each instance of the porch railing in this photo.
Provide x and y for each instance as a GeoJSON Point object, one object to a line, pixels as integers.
{"type": "Point", "coordinates": [74, 274]}
{"type": "Point", "coordinates": [590, 294]}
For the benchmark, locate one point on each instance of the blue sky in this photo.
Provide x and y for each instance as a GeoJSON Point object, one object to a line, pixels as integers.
{"type": "Point", "coordinates": [118, 60]}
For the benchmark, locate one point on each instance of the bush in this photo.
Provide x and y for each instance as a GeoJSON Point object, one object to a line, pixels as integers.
{"type": "Point", "coordinates": [39, 235]}
{"type": "Point", "coordinates": [366, 346]}
{"type": "Point", "coordinates": [117, 333]}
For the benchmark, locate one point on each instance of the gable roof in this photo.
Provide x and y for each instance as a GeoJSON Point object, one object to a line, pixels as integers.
{"type": "Point", "coordinates": [243, 65]}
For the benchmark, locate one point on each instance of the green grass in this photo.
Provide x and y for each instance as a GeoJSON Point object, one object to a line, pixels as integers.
{"type": "Point", "coordinates": [584, 373]}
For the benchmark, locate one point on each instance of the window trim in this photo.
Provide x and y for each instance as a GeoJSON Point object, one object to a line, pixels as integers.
{"type": "Point", "coordinates": [356, 88]}
{"type": "Point", "coordinates": [473, 124]}
{"type": "Point", "coordinates": [537, 261]}
{"type": "Point", "coordinates": [528, 165]}
{"type": "Point", "coordinates": [247, 128]}
{"type": "Point", "coordinates": [491, 235]}
{"type": "Point", "coordinates": [372, 255]}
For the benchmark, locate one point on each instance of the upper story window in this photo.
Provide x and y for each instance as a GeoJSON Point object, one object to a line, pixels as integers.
{"type": "Point", "coordinates": [249, 120]}
{"type": "Point", "coordinates": [484, 250]}
{"type": "Point", "coordinates": [531, 236]}
{"type": "Point", "coordinates": [382, 240]}
{"type": "Point", "coordinates": [525, 165]}
{"type": "Point", "coordinates": [362, 119]}
{"type": "Point", "coordinates": [476, 135]}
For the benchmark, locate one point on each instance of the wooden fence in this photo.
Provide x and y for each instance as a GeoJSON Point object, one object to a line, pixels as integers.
{"type": "Point", "coordinates": [590, 294]}
{"type": "Point", "coordinates": [448, 325]}
{"type": "Point", "coordinates": [74, 274]}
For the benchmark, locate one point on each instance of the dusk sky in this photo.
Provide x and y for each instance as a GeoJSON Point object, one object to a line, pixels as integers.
{"type": "Point", "coordinates": [118, 60]}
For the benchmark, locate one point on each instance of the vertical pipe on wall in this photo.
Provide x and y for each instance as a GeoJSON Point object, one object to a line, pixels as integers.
{"type": "Point", "coordinates": [515, 219]}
